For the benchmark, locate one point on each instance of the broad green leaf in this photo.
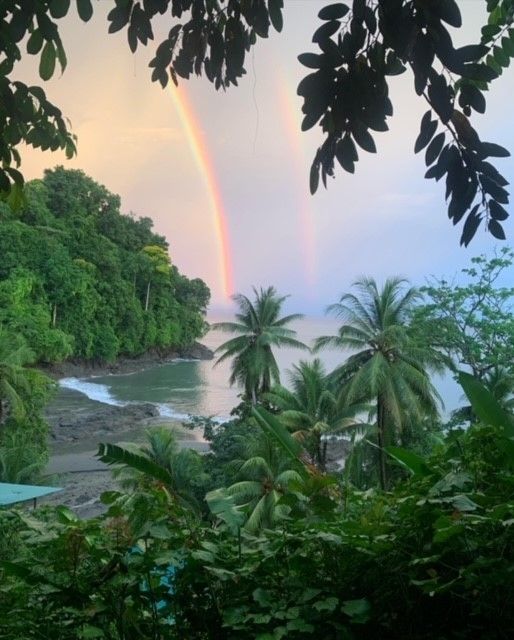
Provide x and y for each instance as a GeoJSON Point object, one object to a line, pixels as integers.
{"type": "Point", "coordinates": [464, 504]}
{"type": "Point", "coordinates": [113, 454]}
{"type": "Point", "coordinates": [484, 405]}
{"type": "Point", "coordinates": [222, 506]}
{"type": "Point", "coordinates": [358, 610]}
{"type": "Point", "coordinates": [410, 460]}
{"type": "Point", "coordinates": [275, 430]}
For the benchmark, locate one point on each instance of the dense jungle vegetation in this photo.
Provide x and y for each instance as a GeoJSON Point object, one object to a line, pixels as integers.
{"type": "Point", "coordinates": [268, 536]}
{"type": "Point", "coordinates": [80, 279]}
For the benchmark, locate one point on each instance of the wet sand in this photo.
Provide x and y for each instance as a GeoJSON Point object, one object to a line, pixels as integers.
{"type": "Point", "coordinates": [75, 468]}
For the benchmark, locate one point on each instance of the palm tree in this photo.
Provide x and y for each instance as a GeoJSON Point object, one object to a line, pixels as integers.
{"type": "Point", "coordinates": [158, 461]}
{"type": "Point", "coordinates": [312, 410]}
{"type": "Point", "coordinates": [14, 381]}
{"type": "Point", "coordinates": [266, 475]}
{"type": "Point", "coordinates": [388, 365]}
{"type": "Point", "coordinates": [259, 328]}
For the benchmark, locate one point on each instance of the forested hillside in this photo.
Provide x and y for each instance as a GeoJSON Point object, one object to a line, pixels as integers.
{"type": "Point", "coordinates": [80, 279]}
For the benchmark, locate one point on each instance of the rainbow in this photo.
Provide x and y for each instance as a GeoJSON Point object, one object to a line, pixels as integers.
{"type": "Point", "coordinates": [206, 169]}
{"type": "Point", "coordinates": [290, 110]}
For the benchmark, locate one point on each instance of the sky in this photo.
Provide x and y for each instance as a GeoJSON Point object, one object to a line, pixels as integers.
{"type": "Point", "coordinates": [240, 156]}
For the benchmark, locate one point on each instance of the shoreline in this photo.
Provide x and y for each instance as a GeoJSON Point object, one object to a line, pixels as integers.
{"type": "Point", "coordinates": [83, 478]}
{"type": "Point", "coordinates": [78, 424]}
{"type": "Point", "coordinates": [77, 368]}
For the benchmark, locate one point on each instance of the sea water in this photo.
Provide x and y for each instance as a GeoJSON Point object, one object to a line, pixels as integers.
{"type": "Point", "coordinates": [184, 388]}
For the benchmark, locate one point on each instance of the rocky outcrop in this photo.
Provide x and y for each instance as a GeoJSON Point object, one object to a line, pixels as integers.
{"type": "Point", "coordinates": [73, 426]}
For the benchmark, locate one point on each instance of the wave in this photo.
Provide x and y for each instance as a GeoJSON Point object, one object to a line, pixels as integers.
{"type": "Point", "coordinates": [101, 393]}
{"type": "Point", "coordinates": [168, 411]}
{"type": "Point", "coordinates": [93, 390]}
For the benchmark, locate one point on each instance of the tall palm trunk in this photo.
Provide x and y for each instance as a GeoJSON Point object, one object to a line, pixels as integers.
{"type": "Point", "coordinates": [147, 295]}
{"type": "Point", "coordinates": [381, 427]}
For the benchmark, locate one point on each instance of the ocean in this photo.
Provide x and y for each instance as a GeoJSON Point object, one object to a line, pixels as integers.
{"type": "Point", "coordinates": [184, 388]}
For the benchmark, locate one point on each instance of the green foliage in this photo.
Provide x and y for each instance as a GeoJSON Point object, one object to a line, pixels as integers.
{"type": "Point", "coordinates": [23, 394]}
{"type": "Point", "coordinates": [258, 329]}
{"type": "Point", "coordinates": [389, 365]}
{"type": "Point", "coordinates": [347, 94]}
{"type": "Point", "coordinates": [80, 279]}
{"type": "Point", "coordinates": [311, 410]}
{"type": "Point", "coordinates": [159, 461]}
{"type": "Point", "coordinates": [432, 558]}
{"type": "Point", "coordinates": [472, 321]}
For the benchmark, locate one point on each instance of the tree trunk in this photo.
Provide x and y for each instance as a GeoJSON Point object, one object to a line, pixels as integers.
{"type": "Point", "coordinates": [381, 427]}
{"type": "Point", "coordinates": [54, 315]}
{"type": "Point", "coordinates": [147, 295]}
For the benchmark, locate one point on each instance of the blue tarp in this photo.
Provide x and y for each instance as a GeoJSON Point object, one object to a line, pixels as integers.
{"type": "Point", "coordinates": [11, 493]}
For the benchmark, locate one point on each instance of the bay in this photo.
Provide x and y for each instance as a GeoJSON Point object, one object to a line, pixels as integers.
{"type": "Point", "coordinates": [199, 387]}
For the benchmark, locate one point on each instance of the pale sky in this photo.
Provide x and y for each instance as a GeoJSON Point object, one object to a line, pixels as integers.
{"type": "Point", "coordinates": [384, 220]}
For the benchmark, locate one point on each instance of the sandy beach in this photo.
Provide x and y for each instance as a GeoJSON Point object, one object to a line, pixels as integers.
{"type": "Point", "coordinates": [75, 435]}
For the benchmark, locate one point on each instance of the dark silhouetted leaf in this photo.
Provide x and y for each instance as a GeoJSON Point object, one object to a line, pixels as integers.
{"type": "Point", "coordinates": [59, 8]}
{"type": "Point", "coordinates": [489, 149]}
{"type": "Point", "coordinates": [470, 228]}
{"type": "Point", "coordinates": [449, 11]}
{"type": "Point", "coordinates": [440, 98]}
{"type": "Point", "coordinates": [311, 60]}
{"type": "Point", "coordinates": [363, 138]}
{"type": "Point", "coordinates": [47, 61]}
{"type": "Point", "coordinates": [434, 149]}
{"type": "Point", "coordinates": [346, 153]}
{"type": "Point", "coordinates": [494, 190]}
{"type": "Point", "coordinates": [35, 42]}
{"type": "Point", "coordinates": [427, 129]}
{"type": "Point", "coordinates": [496, 229]}
{"type": "Point", "coordinates": [314, 177]}
{"type": "Point", "coordinates": [275, 13]}
{"type": "Point", "coordinates": [85, 9]}
{"type": "Point", "coordinates": [497, 211]}
{"type": "Point", "coordinates": [333, 11]}
{"type": "Point", "coordinates": [480, 72]}
{"type": "Point", "coordinates": [325, 31]}
{"type": "Point", "coordinates": [472, 52]}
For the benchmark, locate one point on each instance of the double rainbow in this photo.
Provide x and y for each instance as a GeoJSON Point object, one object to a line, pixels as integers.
{"type": "Point", "coordinates": [206, 169]}
{"type": "Point", "coordinates": [291, 121]}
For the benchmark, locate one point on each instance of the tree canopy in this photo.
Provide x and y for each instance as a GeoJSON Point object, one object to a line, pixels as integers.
{"type": "Point", "coordinates": [80, 279]}
{"type": "Point", "coordinates": [361, 45]}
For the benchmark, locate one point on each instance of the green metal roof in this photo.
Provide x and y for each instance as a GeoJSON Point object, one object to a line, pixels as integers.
{"type": "Point", "coordinates": [11, 493]}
